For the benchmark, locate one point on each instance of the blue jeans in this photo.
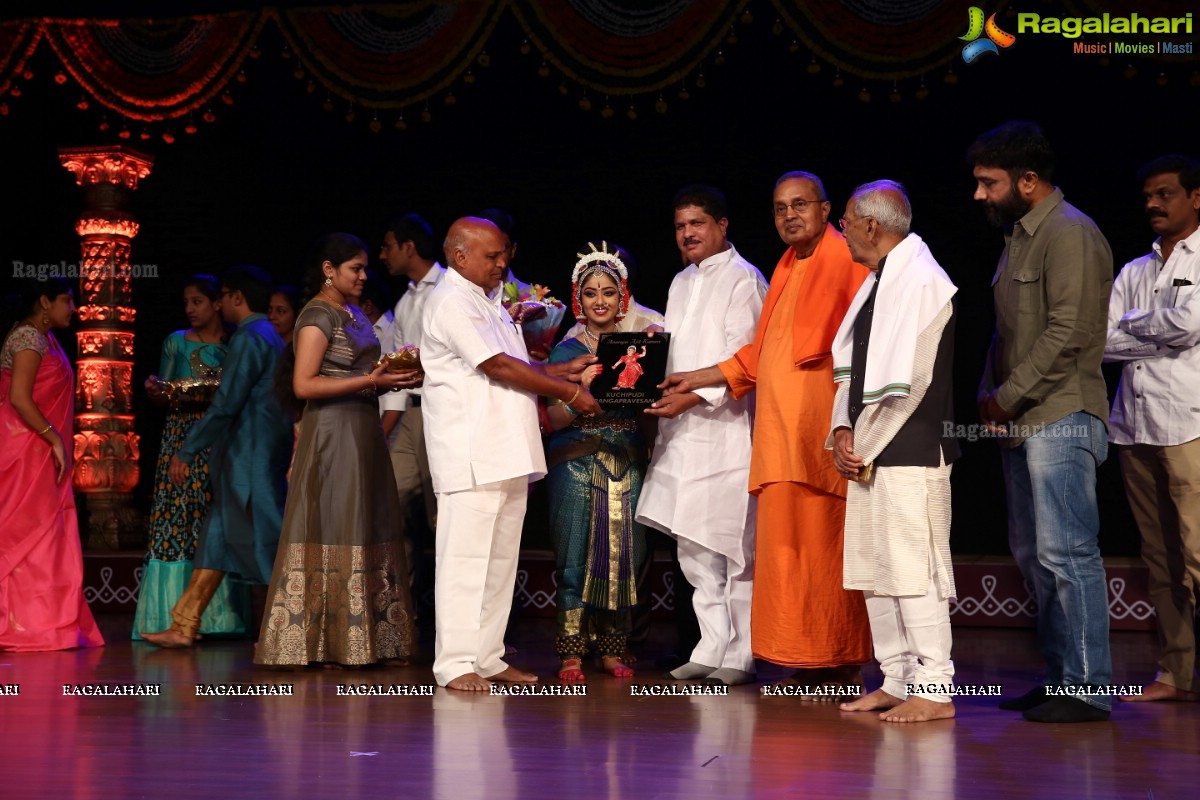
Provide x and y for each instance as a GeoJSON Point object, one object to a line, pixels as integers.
{"type": "Point", "coordinates": [1053, 527]}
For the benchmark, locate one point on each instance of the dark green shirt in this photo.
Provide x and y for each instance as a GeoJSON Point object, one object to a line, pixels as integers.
{"type": "Point", "coordinates": [1051, 292]}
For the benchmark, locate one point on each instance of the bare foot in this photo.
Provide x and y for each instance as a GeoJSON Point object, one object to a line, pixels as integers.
{"type": "Point", "coordinates": [1152, 693]}
{"type": "Point", "coordinates": [470, 682]}
{"type": "Point", "coordinates": [809, 676]}
{"type": "Point", "coordinates": [513, 675]}
{"type": "Point", "coordinates": [615, 667]}
{"type": "Point", "coordinates": [826, 684]}
{"type": "Point", "coordinates": [572, 671]}
{"type": "Point", "coordinates": [397, 663]}
{"type": "Point", "coordinates": [918, 709]}
{"type": "Point", "coordinates": [878, 700]}
{"type": "Point", "coordinates": [168, 638]}
{"type": "Point", "coordinates": [841, 682]}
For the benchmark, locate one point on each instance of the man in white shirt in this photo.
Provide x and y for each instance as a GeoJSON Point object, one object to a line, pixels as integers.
{"type": "Point", "coordinates": [481, 431]}
{"type": "Point", "coordinates": [1154, 328]}
{"type": "Point", "coordinates": [695, 488]}
{"type": "Point", "coordinates": [408, 250]}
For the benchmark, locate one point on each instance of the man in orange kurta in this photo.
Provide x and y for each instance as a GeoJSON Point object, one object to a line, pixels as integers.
{"type": "Point", "coordinates": [801, 616]}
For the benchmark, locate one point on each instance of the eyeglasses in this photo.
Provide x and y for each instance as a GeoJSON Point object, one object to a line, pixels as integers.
{"type": "Point", "coordinates": [844, 223]}
{"type": "Point", "coordinates": [796, 205]}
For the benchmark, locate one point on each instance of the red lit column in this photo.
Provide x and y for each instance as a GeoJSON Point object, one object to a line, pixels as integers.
{"type": "Point", "coordinates": [106, 446]}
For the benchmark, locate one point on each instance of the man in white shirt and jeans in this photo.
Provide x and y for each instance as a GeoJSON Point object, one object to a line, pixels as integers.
{"type": "Point", "coordinates": [1154, 329]}
{"type": "Point", "coordinates": [481, 432]}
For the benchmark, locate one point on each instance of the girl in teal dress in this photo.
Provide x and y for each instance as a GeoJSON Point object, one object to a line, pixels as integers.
{"type": "Point", "coordinates": [178, 512]}
{"type": "Point", "coordinates": [596, 466]}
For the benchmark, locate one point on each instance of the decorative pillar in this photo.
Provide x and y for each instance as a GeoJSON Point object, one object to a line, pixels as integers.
{"type": "Point", "coordinates": [106, 446]}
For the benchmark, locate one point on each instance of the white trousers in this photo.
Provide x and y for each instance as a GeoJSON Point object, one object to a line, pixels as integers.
{"type": "Point", "coordinates": [478, 544]}
{"type": "Point", "coordinates": [912, 642]}
{"type": "Point", "coordinates": [722, 603]}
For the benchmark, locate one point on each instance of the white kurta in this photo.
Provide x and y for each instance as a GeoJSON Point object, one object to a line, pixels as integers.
{"type": "Point", "coordinates": [477, 431]}
{"type": "Point", "coordinates": [695, 486]}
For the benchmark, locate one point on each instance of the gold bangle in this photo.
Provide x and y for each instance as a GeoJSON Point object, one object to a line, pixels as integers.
{"type": "Point", "coordinates": [42, 432]}
{"type": "Point", "coordinates": [572, 400]}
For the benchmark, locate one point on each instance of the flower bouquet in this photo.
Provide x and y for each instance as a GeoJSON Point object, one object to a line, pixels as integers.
{"type": "Point", "coordinates": [538, 314]}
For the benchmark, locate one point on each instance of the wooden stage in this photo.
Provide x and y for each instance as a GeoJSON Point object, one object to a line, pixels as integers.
{"type": "Point", "coordinates": [319, 743]}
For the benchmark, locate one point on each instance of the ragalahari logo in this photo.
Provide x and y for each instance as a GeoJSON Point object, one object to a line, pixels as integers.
{"type": "Point", "coordinates": [976, 27]}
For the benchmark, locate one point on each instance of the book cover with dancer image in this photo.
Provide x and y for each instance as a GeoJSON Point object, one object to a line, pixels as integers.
{"type": "Point", "coordinates": [634, 364]}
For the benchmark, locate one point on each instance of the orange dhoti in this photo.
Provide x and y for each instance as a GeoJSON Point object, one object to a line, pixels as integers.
{"type": "Point", "coordinates": [800, 615]}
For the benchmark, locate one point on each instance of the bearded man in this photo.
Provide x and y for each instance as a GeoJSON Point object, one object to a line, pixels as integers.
{"type": "Point", "coordinates": [1043, 390]}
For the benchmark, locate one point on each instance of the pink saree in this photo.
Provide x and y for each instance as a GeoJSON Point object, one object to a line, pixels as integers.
{"type": "Point", "coordinates": [41, 561]}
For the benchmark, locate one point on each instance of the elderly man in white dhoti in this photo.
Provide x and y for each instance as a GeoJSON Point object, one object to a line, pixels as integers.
{"type": "Point", "coordinates": [892, 360]}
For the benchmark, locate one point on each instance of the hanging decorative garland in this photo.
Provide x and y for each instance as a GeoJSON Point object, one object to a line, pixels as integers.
{"type": "Point", "coordinates": [878, 39]}
{"type": "Point", "coordinates": [155, 70]}
{"type": "Point", "coordinates": [389, 56]}
{"type": "Point", "coordinates": [403, 55]}
{"type": "Point", "coordinates": [18, 40]}
{"type": "Point", "coordinates": [624, 47]}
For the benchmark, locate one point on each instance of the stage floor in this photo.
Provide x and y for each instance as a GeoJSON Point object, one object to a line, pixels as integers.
{"type": "Point", "coordinates": [322, 743]}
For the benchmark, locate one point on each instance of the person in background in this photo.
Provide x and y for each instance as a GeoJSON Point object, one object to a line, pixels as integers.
{"type": "Point", "coordinates": [1154, 330]}
{"type": "Point", "coordinates": [249, 436]}
{"type": "Point", "coordinates": [507, 224]}
{"type": "Point", "coordinates": [41, 562]}
{"type": "Point", "coordinates": [177, 513]}
{"type": "Point", "coordinates": [409, 252]}
{"type": "Point", "coordinates": [281, 313]}
{"type": "Point", "coordinates": [376, 304]}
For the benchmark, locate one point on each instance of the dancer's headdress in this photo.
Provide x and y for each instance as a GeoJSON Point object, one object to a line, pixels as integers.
{"type": "Point", "coordinates": [599, 261]}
